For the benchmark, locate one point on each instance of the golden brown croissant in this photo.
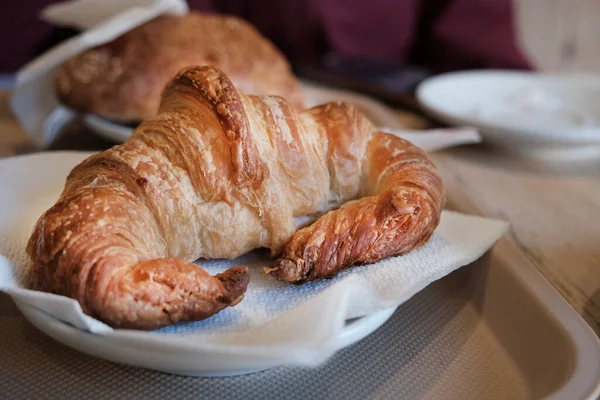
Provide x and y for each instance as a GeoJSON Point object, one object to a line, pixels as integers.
{"type": "Point", "coordinates": [122, 80]}
{"type": "Point", "coordinates": [215, 175]}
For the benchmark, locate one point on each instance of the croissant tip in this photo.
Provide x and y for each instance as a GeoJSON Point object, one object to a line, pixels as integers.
{"type": "Point", "coordinates": [235, 281]}
{"type": "Point", "coordinates": [283, 270]}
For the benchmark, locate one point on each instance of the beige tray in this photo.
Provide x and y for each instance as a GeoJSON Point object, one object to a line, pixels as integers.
{"type": "Point", "coordinates": [492, 330]}
{"type": "Point", "coordinates": [495, 329]}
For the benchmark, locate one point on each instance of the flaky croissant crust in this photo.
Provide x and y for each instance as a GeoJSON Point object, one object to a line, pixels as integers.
{"type": "Point", "coordinates": [122, 80]}
{"type": "Point", "coordinates": [216, 174]}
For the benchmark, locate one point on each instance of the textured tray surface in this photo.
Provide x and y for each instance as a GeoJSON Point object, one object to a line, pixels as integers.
{"type": "Point", "coordinates": [440, 344]}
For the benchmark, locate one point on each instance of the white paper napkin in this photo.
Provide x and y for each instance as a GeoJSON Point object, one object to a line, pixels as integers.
{"type": "Point", "coordinates": [298, 324]}
{"type": "Point", "coordinates": [86, 14]}
{"type": "Point", "coordinates": [34, 101]}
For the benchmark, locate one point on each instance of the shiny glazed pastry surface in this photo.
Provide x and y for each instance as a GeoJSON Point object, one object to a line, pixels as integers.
{"type": "Point", "coordinates": [216, 174]}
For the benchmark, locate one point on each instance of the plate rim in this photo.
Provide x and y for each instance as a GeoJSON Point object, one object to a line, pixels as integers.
{"type": "Point", "coordinates": [93, 344]}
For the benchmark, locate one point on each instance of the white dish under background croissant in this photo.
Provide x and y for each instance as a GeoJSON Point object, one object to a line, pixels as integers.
{"type": "Point", "coordinates": [377, 112]}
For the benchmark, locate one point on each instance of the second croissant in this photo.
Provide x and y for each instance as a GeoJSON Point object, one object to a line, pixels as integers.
{"type": "Point", "coordinates": [216, 174]}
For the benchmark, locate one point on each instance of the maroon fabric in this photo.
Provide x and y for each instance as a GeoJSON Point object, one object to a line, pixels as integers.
{"type": "Point", "coordinates": [382, 30]}
{"type": "Point", "coordinates": [470, 34]}
{"type": "Point", "coordinates": [20, 31]}
{"type": "Point", "coordinates": [440, 35]}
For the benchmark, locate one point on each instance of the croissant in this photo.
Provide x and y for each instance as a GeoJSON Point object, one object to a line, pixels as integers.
{"type": "Point", "coordinates": [216, 174]}
{"type": "Point", "coordinates": [122, 80]}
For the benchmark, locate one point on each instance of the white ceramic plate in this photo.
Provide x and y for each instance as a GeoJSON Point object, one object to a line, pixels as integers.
{"type": "Point", "coordinates": [177, 360]}
{"type": "Point", "coordinates": [524, 112]}
{"type": "Point", "coordinates": [377, 112]}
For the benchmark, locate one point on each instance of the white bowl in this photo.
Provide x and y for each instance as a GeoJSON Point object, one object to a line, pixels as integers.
{"type": "Point", "coordinates": [523, 112]}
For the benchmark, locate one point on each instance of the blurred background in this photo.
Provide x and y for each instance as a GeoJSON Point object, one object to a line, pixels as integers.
{"type": "Point", "coordinates": [397, 43]}
{"type": "Point", "coordinates": [393, 43]}
{"type": "Point", "coordinates": [550, 35]}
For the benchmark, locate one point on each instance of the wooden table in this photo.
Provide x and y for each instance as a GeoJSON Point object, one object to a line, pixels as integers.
{"type": "Point", "coordinates": [553, 208]}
